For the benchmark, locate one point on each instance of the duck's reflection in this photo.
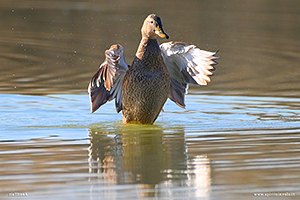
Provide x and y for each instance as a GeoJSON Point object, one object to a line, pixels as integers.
{"type": "Point", "coordinates": [150, 157]}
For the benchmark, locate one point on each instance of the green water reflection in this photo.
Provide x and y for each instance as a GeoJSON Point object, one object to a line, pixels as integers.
{"type": "Point", "coordinates": [145, 156]}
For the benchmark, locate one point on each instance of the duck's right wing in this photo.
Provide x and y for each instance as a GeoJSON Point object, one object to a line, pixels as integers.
{"type": "Point", "coordinates": [186, 64]}
{"type": "Point", "coordinates": [106, 84]}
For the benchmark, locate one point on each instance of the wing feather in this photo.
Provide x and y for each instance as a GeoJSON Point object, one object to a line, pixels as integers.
{"type": "Point", "coordinates": [106, 84]}
{"type": "Point", "coordinates": [186, 64]}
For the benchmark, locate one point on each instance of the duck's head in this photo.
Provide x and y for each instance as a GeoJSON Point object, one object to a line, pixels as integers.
{"type": "Point", "coordinates": [152, 27]}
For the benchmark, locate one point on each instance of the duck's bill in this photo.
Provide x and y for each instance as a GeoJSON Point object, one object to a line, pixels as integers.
{"type": "Point", "coordinates": [161, 33]}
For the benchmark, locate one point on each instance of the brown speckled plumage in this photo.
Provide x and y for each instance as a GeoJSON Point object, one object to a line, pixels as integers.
{"type": "Point", "coordinates": [146, 84]}
{"type": "Point", "coordinates": [157, 72]}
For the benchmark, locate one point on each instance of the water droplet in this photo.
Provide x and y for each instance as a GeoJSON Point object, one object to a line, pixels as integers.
{"type": "Point", "coordinates": [13, 11]}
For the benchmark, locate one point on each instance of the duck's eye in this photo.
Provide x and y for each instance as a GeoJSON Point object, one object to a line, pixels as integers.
{"type": "Point", "coordinates": [151, 21]}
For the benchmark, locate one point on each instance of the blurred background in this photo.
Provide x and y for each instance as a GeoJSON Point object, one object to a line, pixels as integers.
{"type": "Point", "coordinates": [55, 46]}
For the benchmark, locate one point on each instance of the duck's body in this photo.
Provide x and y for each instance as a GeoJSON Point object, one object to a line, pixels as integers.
{"type": "Point", "coordinates": [157, 72]}
{"type": "Point", "coordinates": [146, 84]}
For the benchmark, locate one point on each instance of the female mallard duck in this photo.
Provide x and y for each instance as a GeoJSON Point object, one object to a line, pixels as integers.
{"type": "Point", "coordinates": [157, 72]}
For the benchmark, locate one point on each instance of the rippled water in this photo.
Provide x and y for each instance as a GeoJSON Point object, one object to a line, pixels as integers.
{"type": "Point", "coordinates": [238, 138]}
{"type": "Point", "coordinates": [52, 147]}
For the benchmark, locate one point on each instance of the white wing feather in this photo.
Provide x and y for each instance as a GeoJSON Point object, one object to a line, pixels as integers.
{"type": "Point", "coordinates": [186, 64]}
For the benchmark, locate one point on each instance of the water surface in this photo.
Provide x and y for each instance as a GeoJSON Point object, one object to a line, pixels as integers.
{"type": "Point", "coordinates": [238, 138]}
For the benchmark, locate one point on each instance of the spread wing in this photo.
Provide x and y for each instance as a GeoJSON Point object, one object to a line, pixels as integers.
{"type": "Point", "coordinates": [106, 84]}
{"type": "Point", "coordinates": [186, 64]}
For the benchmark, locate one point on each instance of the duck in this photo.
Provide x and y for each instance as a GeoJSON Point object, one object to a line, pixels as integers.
{"type": "Point", "coordinates": [158, 72]}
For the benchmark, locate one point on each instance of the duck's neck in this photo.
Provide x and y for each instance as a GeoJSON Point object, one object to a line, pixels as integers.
{"type": "Point", "coordinates": [148, 47]}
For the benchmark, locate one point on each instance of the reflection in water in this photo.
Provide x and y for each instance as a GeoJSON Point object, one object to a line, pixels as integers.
{"type": "Point", "coordinates": [103, 153]}
{"type": "Point", "coordinates": [201, 175]}
{"type": "Point", "coordinates": [155, 160]}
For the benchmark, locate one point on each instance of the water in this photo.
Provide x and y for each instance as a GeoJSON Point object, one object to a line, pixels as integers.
{"type": "Point", "coordinates": [238, 138]}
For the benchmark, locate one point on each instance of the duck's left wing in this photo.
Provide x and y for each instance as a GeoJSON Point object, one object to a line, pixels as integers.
{"type": "Point", "coordinates": [186, 64]}
{"type": "Point", "coordinates": [106, 84]}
